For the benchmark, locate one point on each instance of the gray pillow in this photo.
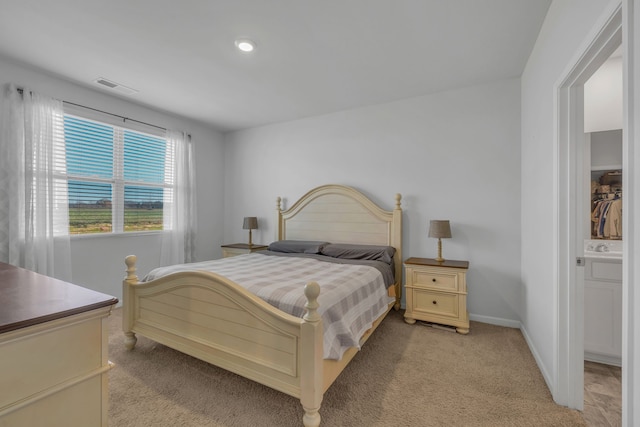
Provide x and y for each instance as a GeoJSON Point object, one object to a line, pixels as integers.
{"type": "Point", "coordinates": [297, 246]}
{"type": "Point", "coordinates": [349, 251]}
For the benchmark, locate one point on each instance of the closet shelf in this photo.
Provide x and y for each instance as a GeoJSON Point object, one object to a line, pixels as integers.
{"type": "Point", "coordinates": [605, 168]}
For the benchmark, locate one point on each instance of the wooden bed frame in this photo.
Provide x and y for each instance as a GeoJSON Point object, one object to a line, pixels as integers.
{"type": "Point", "coordinates": [214, 319]}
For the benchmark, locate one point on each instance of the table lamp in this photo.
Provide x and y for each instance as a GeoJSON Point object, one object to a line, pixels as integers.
{"type": "Point", "coordinates": [250, 223]}
{"type": "Point", "coordinates": [442, 230]}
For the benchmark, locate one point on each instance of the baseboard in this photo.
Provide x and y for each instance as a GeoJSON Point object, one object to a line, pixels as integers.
{"type": "Point", "coordinates": [509, 323]}
{"type": "Point", "coordinates": [538, 359]}
{"type": "Point", "coordinates": [603, 358]}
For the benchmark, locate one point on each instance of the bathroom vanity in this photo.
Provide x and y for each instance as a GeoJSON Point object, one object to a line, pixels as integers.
{"type": "Point", "coordinates": [603, 301]}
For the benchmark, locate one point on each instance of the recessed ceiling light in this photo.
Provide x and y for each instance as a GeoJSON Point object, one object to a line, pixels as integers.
{"type": "Point", "coordinates": [245, 45]}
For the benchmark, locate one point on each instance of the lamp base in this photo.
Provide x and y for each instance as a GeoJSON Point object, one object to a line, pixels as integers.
{"type": "Point", "coordinates": [439, 257]}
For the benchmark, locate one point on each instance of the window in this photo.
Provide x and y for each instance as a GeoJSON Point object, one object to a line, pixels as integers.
{"type": "Point", "coordinates": [117, 178]}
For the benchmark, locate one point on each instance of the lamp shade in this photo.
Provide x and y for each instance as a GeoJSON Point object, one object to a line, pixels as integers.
{"type": "Point", "coordinates": [250, 223]}
{"type": "Point", "coordinates": [440, 229]}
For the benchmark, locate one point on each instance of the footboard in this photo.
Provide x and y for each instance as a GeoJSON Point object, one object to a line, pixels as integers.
{"type": "Point", "coordinates": [213, 319]}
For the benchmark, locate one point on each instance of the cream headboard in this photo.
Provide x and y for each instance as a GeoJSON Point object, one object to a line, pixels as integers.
{"type": "Point", "coordinates": [340, 214]}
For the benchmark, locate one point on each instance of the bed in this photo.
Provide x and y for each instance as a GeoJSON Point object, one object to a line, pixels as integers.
{"type": "Point", "coordinates": [213, 318]}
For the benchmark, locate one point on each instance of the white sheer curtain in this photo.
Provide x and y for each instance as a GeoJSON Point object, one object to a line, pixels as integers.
{"type": "Point", "coordinates": [33, 202]}
{"type": "Point", "coordinates": [178, 240]}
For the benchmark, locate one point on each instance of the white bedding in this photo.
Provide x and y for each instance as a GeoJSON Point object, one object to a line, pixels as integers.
{"type": "Point", "coordinates": [351, 296]}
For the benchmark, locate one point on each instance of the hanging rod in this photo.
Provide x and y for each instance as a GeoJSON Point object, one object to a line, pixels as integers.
{"type": "Point", "coordinates": [114, 115]}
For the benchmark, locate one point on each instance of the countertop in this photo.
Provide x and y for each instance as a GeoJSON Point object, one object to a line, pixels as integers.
{"type": "Point", "coordinates": [611, 249]}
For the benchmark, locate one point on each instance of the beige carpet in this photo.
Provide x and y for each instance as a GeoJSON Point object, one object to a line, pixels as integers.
{"type": "Point", "coordinates": [405, 375]}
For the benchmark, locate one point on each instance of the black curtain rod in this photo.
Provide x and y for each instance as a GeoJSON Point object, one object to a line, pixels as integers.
{"type": "Point", "coordinates": [114, 115]}
{"type": "Point", "coordinates": [21, 91]}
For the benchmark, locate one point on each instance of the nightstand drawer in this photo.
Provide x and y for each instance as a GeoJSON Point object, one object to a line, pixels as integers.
{"type": "Point", "coordinates": [240, 249]}
{"type": "Point", "coordinates": [442, 304]}
{"type": "Point", "coordinates": [434, 280]}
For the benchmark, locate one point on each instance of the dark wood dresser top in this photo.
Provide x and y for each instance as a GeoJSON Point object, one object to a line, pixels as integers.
{"type": "Point", "coordinates": [433, 263]}
{"type": "Point", "coordinates": [28, 298]}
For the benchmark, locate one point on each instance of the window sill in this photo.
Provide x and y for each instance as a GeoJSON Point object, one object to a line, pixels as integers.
{"type": "Point", "coordinates": [115, 235]}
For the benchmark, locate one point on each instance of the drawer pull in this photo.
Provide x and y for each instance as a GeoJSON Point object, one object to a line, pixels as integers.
{"type": "Point", "coordinates": [435, 302]}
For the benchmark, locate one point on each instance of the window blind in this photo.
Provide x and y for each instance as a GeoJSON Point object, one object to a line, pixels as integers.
{"type": "Point", "coordinates": [116, 177]}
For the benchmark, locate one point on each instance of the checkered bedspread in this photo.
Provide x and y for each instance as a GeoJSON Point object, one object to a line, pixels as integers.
{"type": "Point", "coordinates": [351, 296]}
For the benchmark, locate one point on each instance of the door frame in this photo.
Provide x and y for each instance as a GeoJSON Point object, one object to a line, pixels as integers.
{"type": "Point", "coordinates": [631, 211]}
{"type": "Point", "coordinates": [568, 170]}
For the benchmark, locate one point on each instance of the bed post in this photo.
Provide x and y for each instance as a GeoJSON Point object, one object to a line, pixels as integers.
{"type": "Point", "coordinates": [128, 302]}
{"type": "Point", "coordinates": [311, 362]}
{"type": "Point", "coordinates": [279, 219]}
{"type": "Point", "coordinates": [396, 239]}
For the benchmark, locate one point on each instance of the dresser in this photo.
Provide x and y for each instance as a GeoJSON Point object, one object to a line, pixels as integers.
{"type": "Point", "coordinates": [53, 352]}
{"type": "Point", "coordinates": [240, 248]}
{"type": "Point", "coordinates": [436, 292]}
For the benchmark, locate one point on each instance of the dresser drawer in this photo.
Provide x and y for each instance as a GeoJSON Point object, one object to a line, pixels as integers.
{"type": "Point", "coordinates": [424, 278]}
{"type": "Point", "coordinates": [431, 302]}
{"type": "Point", "coordinates": [46, 358]}
{"type": "Point", "coordinates": [55, 373]}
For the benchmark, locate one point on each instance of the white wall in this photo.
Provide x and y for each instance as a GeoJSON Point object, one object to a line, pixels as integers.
{"type": "Point", "coordinates": [453, 155]}
{"type": "Point", "coordinates": [603, 97]}
{"type": "Point", "coordinates": [565, 28]}
{"type": "Point", "coordinates": [98, 261]}
{"type": "Point", "coordinates": [606, 149]}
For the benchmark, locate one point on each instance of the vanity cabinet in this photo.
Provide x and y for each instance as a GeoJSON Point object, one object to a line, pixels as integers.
{"type": "Point", "coordinates": [603, 311]}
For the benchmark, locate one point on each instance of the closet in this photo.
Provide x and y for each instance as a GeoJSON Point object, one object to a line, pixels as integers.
{"type": "Point", "coordinates": [606, 204]}
{"type": "Point", "coordinates": [603, 251]}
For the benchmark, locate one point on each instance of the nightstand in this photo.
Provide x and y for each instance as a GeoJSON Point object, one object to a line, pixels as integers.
{"type": "Point", "coordinates": [240, 248]}
{"type": "Point", "coordinates": [437, 292]}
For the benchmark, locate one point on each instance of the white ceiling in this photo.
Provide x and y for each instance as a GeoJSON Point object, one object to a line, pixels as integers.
{"type": "Point", "coordinates": [312, 57]}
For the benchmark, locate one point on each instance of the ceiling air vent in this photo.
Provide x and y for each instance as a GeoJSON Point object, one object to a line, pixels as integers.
{"type": "Point", "coordinates": [115, 86]}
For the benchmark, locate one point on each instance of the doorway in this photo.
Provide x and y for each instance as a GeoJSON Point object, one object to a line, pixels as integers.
{"type": "Point", "coordinates": [569, 170]}
{"type": "Point", "coordinates": [602, 284]}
